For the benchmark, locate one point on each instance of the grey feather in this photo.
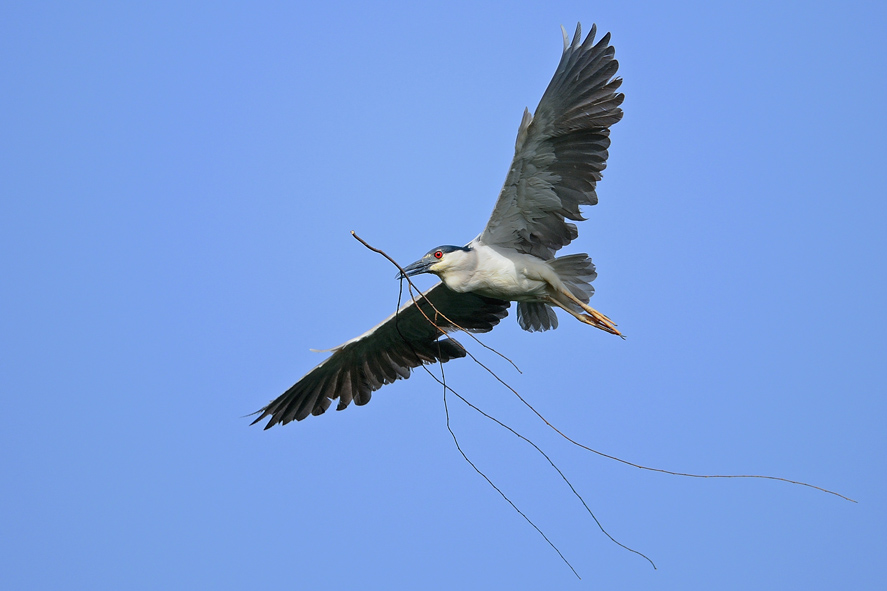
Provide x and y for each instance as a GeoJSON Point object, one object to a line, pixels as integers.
{"type": "Point", "coordinates": [577, 272]}
{"type": "Point", "coordinates": [535, 316]}
{"type": "Point", "coordinates": [560, 152]}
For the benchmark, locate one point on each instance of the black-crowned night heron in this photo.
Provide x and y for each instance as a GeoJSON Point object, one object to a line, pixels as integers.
{"type": "Point", "coordinates": [558, 158]}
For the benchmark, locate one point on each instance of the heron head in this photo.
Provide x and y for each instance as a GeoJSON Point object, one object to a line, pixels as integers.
{"type": "Point", "coordinates": [437, 260]}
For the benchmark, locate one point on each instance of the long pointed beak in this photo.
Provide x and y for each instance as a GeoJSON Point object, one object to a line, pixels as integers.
{"type": "Point", "coordinates": [420, 266]}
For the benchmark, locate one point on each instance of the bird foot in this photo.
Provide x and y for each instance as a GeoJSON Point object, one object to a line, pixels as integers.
{"type": "Point", "coordinates": [593, 317]}
{"type": "Point", "coordinates": [600, 321]}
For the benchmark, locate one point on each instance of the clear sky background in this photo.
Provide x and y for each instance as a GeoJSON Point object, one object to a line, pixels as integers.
{"type": "Point", "coordinates": [177, 185]}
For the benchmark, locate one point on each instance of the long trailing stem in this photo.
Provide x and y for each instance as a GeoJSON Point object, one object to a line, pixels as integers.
{"type": "Point", "coordinates": [414, 293]}
{"type": "Point", "coordinates": [446, 388]}
{"type": "Point", "coordinates": [558, 431]}
{"type": "Point", "coordinates": [538, 449]}
{"type": "Point", "coordinates": [442, 382]}
{"type": "Point", "coordinates": [642, 467]}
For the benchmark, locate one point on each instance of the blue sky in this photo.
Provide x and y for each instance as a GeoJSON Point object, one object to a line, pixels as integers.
{"type": "Point", "coordinates": [178, 185]}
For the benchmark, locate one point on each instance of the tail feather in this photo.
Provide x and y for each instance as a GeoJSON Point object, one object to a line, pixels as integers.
{"type": "Point", "coordinates": [577, 272]}
{"type": "Point", "coordinates": [536, 316]}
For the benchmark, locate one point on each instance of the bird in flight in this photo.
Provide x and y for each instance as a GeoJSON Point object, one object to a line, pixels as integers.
{"type": "Point", "coordinates": [559, 155]}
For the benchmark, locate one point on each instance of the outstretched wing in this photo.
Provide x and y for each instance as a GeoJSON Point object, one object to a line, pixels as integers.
{"type": "Point", "coordinates": [387, 353]}
{"type": "Point", "coordinates": [560, 152]}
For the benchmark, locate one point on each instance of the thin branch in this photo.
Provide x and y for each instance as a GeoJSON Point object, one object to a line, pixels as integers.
{"type": "Point", "coordinates": [500, 423]}
{"type": "Point", "coordinates": [585, 447]}
{"type": "Point", "coordinates": [553, 465]}
{"type": "Point", "coordinates": [626, 462]}
{"type": "Point", "coordinates": [442, 381]}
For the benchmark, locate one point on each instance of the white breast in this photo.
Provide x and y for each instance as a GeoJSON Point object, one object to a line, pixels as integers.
{"type": "Point", "coordinates": [503, 274]}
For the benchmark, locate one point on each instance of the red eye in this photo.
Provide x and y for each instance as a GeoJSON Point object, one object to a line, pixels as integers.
{"type": "Point", "coordinates": [438, 254]}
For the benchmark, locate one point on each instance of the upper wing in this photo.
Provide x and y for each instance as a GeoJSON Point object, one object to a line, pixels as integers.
{"type": "Point", "coordinates": [386, 353]}
{"type": "Point", "coordinates": [560, 152]}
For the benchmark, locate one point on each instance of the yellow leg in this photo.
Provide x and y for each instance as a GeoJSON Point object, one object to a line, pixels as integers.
{"type": "Point", "coordinates": [593, 317]}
